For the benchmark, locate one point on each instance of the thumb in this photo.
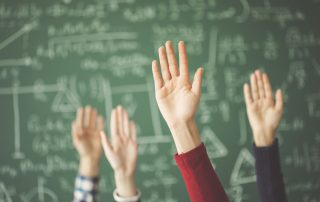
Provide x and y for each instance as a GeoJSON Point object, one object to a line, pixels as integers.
{"type": "Point", "coordinates": [197, 81]}
{"type": "Point", "coordinates": [279, 100]}
{"type": "Point", "coordinates": [107, 147]}
{"type": "Point", "coordinates": [100, 123]}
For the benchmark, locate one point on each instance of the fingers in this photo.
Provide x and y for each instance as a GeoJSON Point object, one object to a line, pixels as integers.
{"type": "Point", "coordinates": [173, 66]}
{"type": "Point", "coordinates": [158, 81]}
{"type": "Point", "coordinates": [77, 126]}
{"type": "Point", "coordinates": [120, 122]}
{"type": "Point", "coordinates": [122, 129]}
{"type": "Point", "coordinates": [126, 123]}
{"type": "Point", "coordinates": [164, 64]}
{"type": "Point", "coordinates": [267, 86]}
{"type": "Point", "coordinates": [93, 119]}
{"type": "Point", "coordinates": [114, 126]}
{"type": "Point", "coordinates": [87, 122]}
{"type": "Point", "coordinates": [254, 87]}
{"type": "Point", "coordinates": [169, 66]}
{"type": "Point", "coordinates": [197, 81]}
{"type": "Point", "coordinates": [79, 118]}
{"type": "Point", "coordinates": [261, 88]}
{"type": "Point", "coordinates": [183, 60]}
{"type": "Point", "coordinates": [260, 84]}
{"type": "Point", "coordinates": [87, 116]}
{"type": "Point", "coordinates": [279, 101]}
{"type": "Point", "coordinates": [75, 131]}
{"type": "Point", "coordinates": [133, 131]}
{"type": "Point", "coordinates": [247, 94]}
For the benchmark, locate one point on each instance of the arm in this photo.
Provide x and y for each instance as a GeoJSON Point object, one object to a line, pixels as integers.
{"type": "Point", "coordinates": [86, 140]}
{"type": "Point", "coordinates": [201, 180]}
{"type": "Point", "coordinates": [178, 100]}
{"type": "Point", "coordinates": [264, 116]}
{"type": "Point", "coordinates": [122, 152]}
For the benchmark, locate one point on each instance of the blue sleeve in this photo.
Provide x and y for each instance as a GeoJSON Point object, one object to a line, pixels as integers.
{"type": "Point", "coordinates": [269, 176]}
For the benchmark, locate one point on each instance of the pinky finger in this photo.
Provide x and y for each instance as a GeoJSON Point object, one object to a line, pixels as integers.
{"type": "Point", "coordinates": [133, 131]}
{"type": "Point", "coordinates": [74, 130]}
{"type": "Point", "coordinates": [247, 94]}
{"type": "Point", "coordinates": [77, 132]}
{"type": "Point", "coordinates": [158, 81]}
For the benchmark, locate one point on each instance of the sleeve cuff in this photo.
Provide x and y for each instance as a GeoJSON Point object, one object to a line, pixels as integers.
{"type": "Point", "coordinates": [86, 188]}
{"type": "Point", "coordinates": [191, 156]}
{"type": "Point", "coordinates": [118, 198]}
{"type": "Point", "coordinates": [268, 152]}
{"type": "Point", "coordinates": [268, 161]}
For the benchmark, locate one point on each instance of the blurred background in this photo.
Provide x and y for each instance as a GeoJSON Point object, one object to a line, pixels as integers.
{"type": "Point", "coordinates": [58, 55]}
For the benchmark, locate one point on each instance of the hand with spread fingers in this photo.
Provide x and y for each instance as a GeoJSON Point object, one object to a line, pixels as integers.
{"type": "Point", "coordinates": [263, 111]}
{"type": "Point", "coordinates": [86, 139]}
{"type": "Point", "coordinates": [177, 97]}
{"type": "Point", "coordinates": [122, 151]}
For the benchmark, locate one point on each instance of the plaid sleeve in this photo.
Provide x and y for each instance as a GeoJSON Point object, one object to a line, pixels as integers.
{"type": "Point", "coordinates": [86, 189]}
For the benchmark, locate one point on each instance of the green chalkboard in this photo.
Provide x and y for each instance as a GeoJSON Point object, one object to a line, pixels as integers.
{"type": "Point", "coordinates": [58, 55]}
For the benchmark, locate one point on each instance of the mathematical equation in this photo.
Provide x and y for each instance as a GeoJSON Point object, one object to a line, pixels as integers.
{"type": "Point", "coordinates": [58, 56]}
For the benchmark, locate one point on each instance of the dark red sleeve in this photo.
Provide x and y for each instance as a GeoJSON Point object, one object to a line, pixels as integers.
{"type": "Point", "coordinates": [203, 185]}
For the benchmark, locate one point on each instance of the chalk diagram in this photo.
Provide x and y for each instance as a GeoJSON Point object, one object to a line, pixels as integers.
{"type": "Point", "coordinates": [4, 193]}
{"type": "Point", "coordinates": [41, 193]}
{"type": "Point", "coordinates": [244, 169]}
{"type": "Point", "coordinates": [63, 101]}
{"type": "Point", "coordinates": [215, 147]}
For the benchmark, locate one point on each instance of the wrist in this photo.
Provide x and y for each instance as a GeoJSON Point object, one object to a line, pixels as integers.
{"type": "Point", "coordinates": [263, 138]}
{"type": "Point", "coordinates": [89, 167]}
{"type": "Point", "coordinates": [185, 135]}
{"type": "Point", "coordinates": [125, 184]}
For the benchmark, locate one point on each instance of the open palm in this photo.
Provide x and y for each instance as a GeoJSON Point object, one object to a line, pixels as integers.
{"type": "Point", "coordinates": [177, 98]}
{"type": "Point", "coordinates": [85, 133]}
{"type": "Point", "coordinates": [122, 150]}
{"type": "Point", "coordinates": [263, 112]}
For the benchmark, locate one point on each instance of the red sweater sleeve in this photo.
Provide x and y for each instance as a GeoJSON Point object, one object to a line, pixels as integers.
{"type": "Point", "coordinates": [202, 183]}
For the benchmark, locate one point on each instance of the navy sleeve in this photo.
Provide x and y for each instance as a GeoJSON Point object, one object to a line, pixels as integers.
{"type": "Point", "coordinates": [269, 176]}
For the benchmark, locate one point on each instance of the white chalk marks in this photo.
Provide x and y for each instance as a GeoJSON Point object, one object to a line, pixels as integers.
{"type": "Point", "coordinates": [41, 193]}
{"type": "Point", "coordinates": [4, 193]}
{"type": "Point", "coordinates": [244, 169]}
{"type": "Point", "coordinates": [25, 29]}
{"type": "Point", "coordinates": [64, 101]}
{"type": "Point", "coordinates": [215, 147]}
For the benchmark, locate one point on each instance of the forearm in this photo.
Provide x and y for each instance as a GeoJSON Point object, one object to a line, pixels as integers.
{"type": "Point", "coordinates": [201, 181]}
{"type": "Point", "coordinates": [263, 138]}
{"type": "Point", "coordinates": [126, 189]}
{"type": "Point", "coordinates": [185, 135]}
{"type": "Point", "coordinates": [125, 185]}
{"type": "Point", "coordinates": [89, 167]}
{"type": "Point", "coordinates": [269, 176]}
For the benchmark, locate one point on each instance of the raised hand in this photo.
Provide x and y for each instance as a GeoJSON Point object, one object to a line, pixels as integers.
{"type": "Point", "coordinates": [177, 97]}
{"type": "Point", "coordinates": [86, 140]}
{"type": "Point", "coordinates": [122, 151]}
{"type": "Point", "coordinates": [264, 112]}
